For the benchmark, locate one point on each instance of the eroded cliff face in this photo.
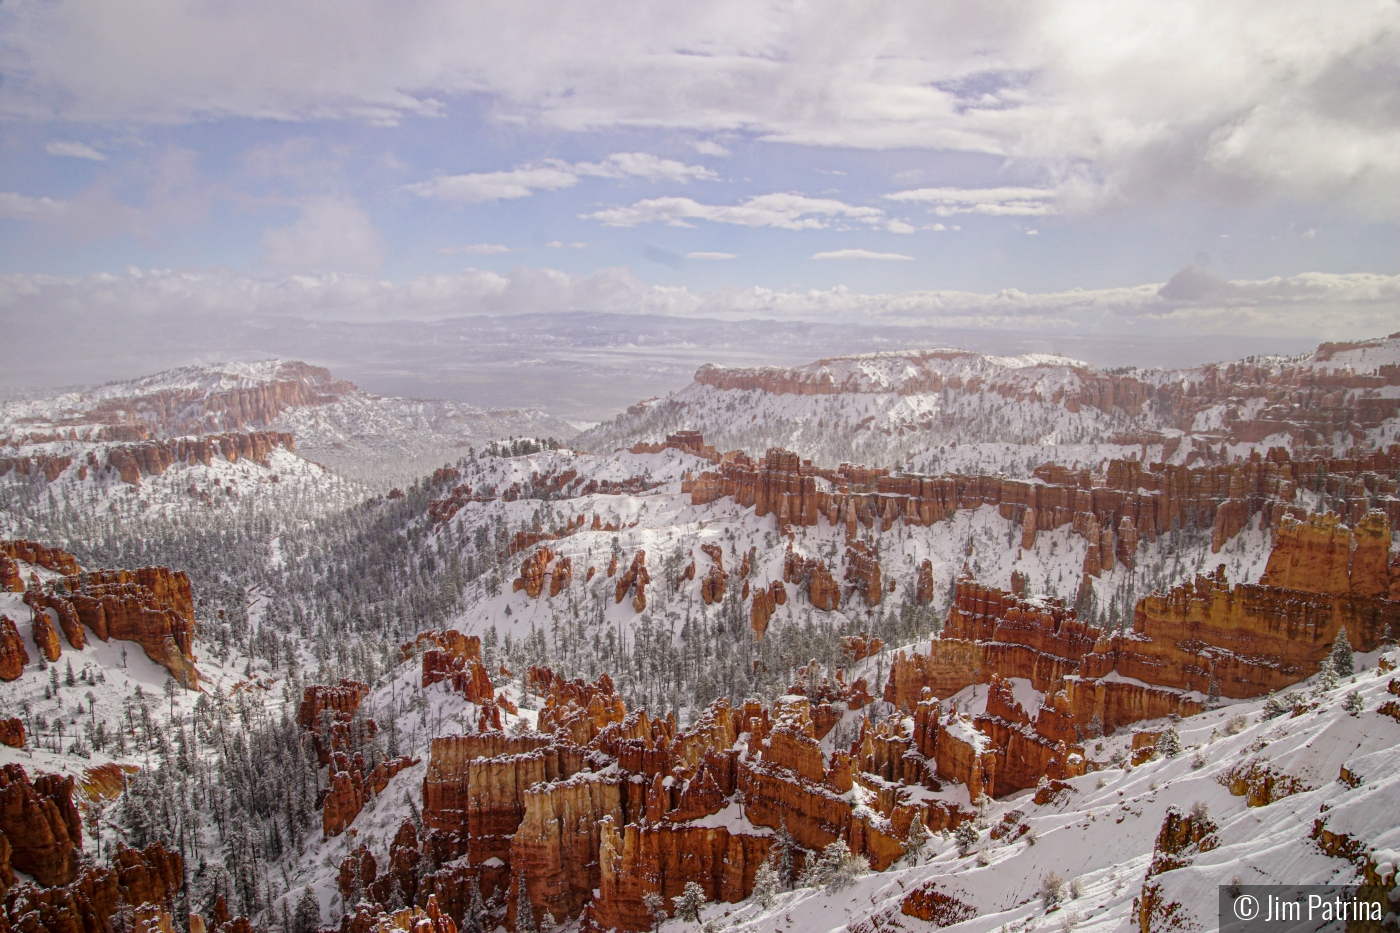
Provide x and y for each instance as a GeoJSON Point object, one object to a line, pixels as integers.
{"type": "Point", "coordinates": [134, 460]}
{"type": "Point", "coordinates": [1202, 637]}
{"type": "Point", "coordinates": [152, 607]}
{"type": "Point", "coordinates": [41, 824]}
{"type": "Point", "coordinates": [1129, 504]}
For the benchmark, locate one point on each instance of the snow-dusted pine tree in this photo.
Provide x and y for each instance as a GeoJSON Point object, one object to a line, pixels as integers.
{"type": "Point", "coordinates": [766, 884]}
{"type": "Point", "coordinates": [1342, 660]}
{"type": "Point", "coordinates": [689, 902]}
{"type": "Point", "coordinates": [524, 911]}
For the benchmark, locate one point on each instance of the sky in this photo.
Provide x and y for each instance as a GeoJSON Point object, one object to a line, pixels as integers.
{"type": "Point", "coordinates": [1176, 168]}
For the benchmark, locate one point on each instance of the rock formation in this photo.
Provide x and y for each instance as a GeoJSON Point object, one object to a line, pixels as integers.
{"type": "Point", "coordinates": [1132, 502]}
{"type": "Point", "coordinates": [13, 657]}
{"type": "Point", "coordinates": [1201, 637]}
{"type": "Point", "coordinates": [50, 558]}
{"type": "Point", "coordinates": [45, 637]}
{"type": "Point", "coordinates": [151, 606]}
{"type": "Point", "coordinates": [41, 824]}
{"type": "Point", "coordinates": [602, 806]}
{"type": "Point", "coordinates": [12, 732]}
{"type": "Point", "coordinates": [635, 580]}
{"type": "Point", "coordinates": [145, 881]}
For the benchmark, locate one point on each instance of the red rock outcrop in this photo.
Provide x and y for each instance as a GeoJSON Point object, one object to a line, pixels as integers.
{"type": "Point", "coordinates": [45, 637]}
{"type": "Point", "coordinates": [151, 606]}
{"type": "Point", "coordinates": [152, 458]}
{"type": "Point", "coordinates": [863, 572]}
{"type": "Point", "coordinates": [822, 589]}
{"type": "Point", "coordinates": [1202, 636]}
{"type": "Point", "coordinates": [765, 603]}
{"type": "Point", "coordinates": [50, 558]}
{"type": "Point", "coordinates": [352, 785]}
{"type": "Point", "coordinates": [12, 732]}
{"type": "Point", "coordinates": [342, 699]}
{"type": "Point", "coordinates": [923, 587]}
{"type": "Point", "coordinates": [13, 657]}
{"type": "Point", "coordinates": [41, 823]}
{"type": "Point", "coordinates": [635, 580]}
{"type": "Point", "coordinates": [457, 660]}
{"type": "Point", "coordinates": [145, 880]}
{"type": "Point", "coordinates": [1131, 502]}
{"type": "Point", "coordinates": [532, 572]}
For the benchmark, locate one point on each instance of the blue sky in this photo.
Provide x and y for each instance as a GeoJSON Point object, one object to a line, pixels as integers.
{"type": "Point", "coordinates": [916, 162]}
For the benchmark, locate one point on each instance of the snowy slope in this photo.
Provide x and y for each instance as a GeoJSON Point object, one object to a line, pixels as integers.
{"type": "Point", "coordinates": [934, 410]}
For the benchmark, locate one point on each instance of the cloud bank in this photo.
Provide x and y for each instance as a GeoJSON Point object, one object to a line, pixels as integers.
{"type": "Point", "coordinates": [1314, 305]}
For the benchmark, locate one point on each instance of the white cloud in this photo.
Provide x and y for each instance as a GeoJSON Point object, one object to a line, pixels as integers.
{"type": "Point", "coordinates": [553, 174]}
{"type": "Point", "coordinates": [26, 207]}
{"type": "Point", "coordinates": [859, 254]}
{"type": "Point", "coordinates": [1257, 96]}
{"type": "Point", "coordinates": [74, 150]}
{"type": "Point", "coordinates": [640, 165]}
{"type": "Point", "coordinates": [784, 211]}
{"type": "Point", "coordinates": [709, 147]}
{"type": "Point", "coordinates": [704, 255]}
{"type": "Point", "coordinates": [479, 249]}
{"type": "Point", "coordinates": [92, 214]}
{"type": "Point", "coordinates": [494, 186]}
{"type": "Point", "coordinates": [1032, 233]}
{"type": "Point", "coordinates": [332, 235]}
{"type": "Point", "coordinates": [997, 202]}
{"type": "Point", "coordinates": [559, 244]}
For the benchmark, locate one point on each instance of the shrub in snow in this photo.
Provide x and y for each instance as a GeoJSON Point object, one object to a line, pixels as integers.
{"type": "Point", "coordinates": [1342, 661]}
{"type": "Point", "coordinates": [1353, 704]}
{"type": "Point", "coordinates": [1198, 760]}
{"type": "Point", "coordinates": [689, 902]}
{"type": "Point", "coordinates": [966, 837]}
{"type": "Point", "coordinates": [1052, 890]}
{"type": "Point", "coordinates": [1236, 724]}
{"type": "Point", "coordinates": [837, 868]}
{"type": "Point", "coordinates": [1076, 889]}
{"type": "Point", "coordinates": [1275, 706]}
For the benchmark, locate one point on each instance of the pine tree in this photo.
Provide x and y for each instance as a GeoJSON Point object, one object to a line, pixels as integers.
{"type": "Point", "coordinates": [966, 837]}
{"type": "Point", "coordinates": [785, 846]}
{"type": "Point", "coordinates": [1353, 703]}
{"type": "Point", "coordinates": [766, 885]}
{"type": "Point", "coordinates": [524, 910]}
{"type": "Point", "coordinates": [307, 918]}
{"type": "Point", "coordinates": [1342, 660]}
{"type": "Point", "coordinates": [1326, 678]}
{"type": "Point", "coordinates": [472, 920]}
{"type": "Point", "coordinates": [917, 841]}
{"type": "Point", "coordinates": [1169, 743]}
{"type": "Point", "coordinates": [689, 902]}
{"type": "Point", "coordinates": [656, 908]}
